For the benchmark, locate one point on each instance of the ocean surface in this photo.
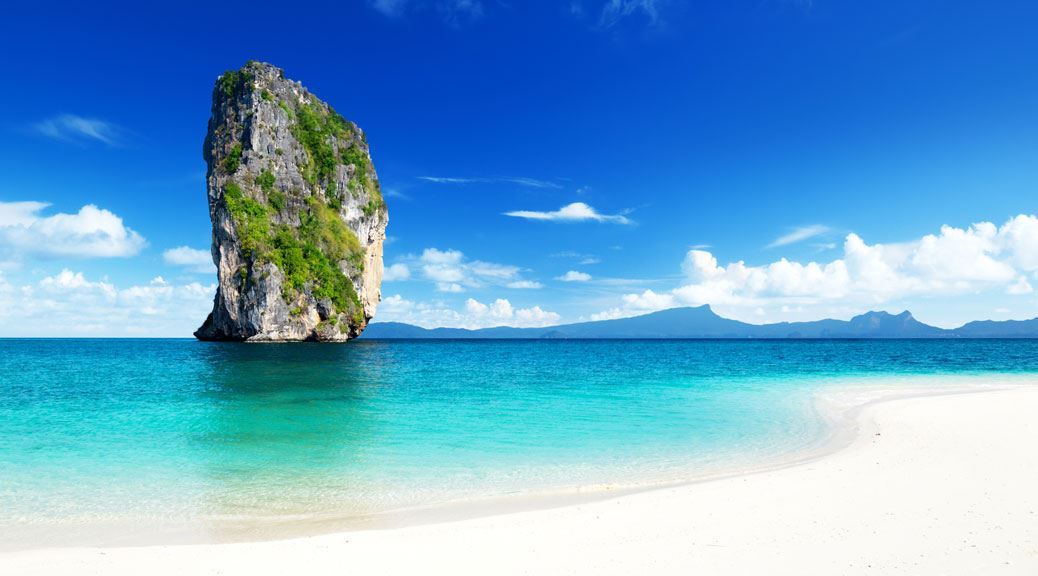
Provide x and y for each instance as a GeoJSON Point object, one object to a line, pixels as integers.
{"type": "Point", "coordinates": [110, 441]}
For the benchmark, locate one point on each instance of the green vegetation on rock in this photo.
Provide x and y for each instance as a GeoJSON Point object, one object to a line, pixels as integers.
{"type": "Point", "coordinates": [312, 129]}
{"type": "Point", "coordinates": [277, 200]}
{"type": "Point", "coordinates": [315, 127]}
{"type": "Point", "coordinates": [371, 207]}
{"type": "Point", "coordinates": [308, 256]}
{"type": "Point", "coordinates": [251, 220]}
{"type": "Point", "coordinates": [352, 154]}
{"type": "Point", "coordinates": [265, 181]}
{"type": "Point", "coordinates": [233, 80]}
{"type": "Point", "coordinates": [288, 111]}
{"type": "Point", "coordinates": [233, 159]}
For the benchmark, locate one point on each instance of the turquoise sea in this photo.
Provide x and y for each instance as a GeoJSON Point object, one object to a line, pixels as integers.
{"type": "Point", "coordinates": [123, 440]}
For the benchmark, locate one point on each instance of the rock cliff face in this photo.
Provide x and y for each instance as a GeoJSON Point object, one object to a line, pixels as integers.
{"type": "Point", "coordinates": [298, 216]}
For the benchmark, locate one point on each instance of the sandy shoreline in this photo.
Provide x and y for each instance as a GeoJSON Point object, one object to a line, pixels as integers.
{"type": "Point", "coordinates": [915, 485]}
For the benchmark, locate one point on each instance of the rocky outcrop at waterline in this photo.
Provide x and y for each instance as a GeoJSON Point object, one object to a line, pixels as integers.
{"type": "Point", "coordinates": [298, 217]}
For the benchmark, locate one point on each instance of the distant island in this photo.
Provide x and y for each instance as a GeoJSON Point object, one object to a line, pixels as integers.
{"type": "Point", "coordinates": [703, 322]}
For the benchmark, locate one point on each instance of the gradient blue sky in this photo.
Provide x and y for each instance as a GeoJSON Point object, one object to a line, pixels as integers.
{"type": "Point", "coordinates": [775, 133]}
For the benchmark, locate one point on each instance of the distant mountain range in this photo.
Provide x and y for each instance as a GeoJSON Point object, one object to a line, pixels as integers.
{"type": "Point", "coordinates": [702, 322]}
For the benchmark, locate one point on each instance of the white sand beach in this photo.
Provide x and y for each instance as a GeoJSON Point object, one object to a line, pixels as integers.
{"type": "Point", "coordinates": [936, 484]}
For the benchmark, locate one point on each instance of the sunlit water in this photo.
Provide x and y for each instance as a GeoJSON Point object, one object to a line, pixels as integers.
{"type": "Point", "coordinates": [102, 435]}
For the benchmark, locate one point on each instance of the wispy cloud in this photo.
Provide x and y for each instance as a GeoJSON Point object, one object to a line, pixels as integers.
{"type": "Point", "coordinates": [459, 12]}
{"type": "Point", "coordinates": [391, 8]}
{"type": "Point", "coordinates": [583, 259]}
{"type": "Point", "coordinates": [575, 212]}
{"type": "Point", "coordinates": [616, 10]}
{"type": "Point", "coordinates": [80, 130]}
{"type": "Point", "coordinates": [799, 234]}
{"type": "Point", "coordinates": [522, 181]}
{"type": "Point", "coordinates": [394, 192]}
{"type": "Point", "coordinates": [453, 12]}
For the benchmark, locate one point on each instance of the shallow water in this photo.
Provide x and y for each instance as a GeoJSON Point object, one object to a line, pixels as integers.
{"type": "Point", "coordinates": [192, 435]}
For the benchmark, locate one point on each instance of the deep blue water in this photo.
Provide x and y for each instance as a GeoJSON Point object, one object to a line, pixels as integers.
{"type": "Point", "coordinates": [178, 431]}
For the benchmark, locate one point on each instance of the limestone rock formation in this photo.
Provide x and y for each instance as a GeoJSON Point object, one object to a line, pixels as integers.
{"type": "Point", "coordinates": [298, 216]}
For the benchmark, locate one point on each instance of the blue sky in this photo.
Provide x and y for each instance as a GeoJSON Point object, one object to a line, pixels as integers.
{"type": "Point", "coordinates": [545, 161]}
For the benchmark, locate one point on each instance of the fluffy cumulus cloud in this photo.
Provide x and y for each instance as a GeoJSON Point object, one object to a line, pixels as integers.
{"type": "Point", "coordinates": [575, 276]}
{"type": "Point", "coordinates": [474, 314]}
{"type": "Point", "coordinates": [452, 272]}
{"type": "Point", "coordinates": [191, 259]}
{"type": "Point", "coordinates": [90, 233]}
{"type": "Point", "coordinates": [955, 261]}
{"type": "Point", "coordinates": [396, 272]}
{"type": "Point", "coordinates": [71, 303]}
{"type": "Point", "coordinates": [574, 212]}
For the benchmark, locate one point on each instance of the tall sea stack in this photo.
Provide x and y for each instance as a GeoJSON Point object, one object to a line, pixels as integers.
{"type": "Point", "coordinates": [298, 216]}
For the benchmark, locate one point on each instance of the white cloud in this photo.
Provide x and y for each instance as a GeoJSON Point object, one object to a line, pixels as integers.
{"type": "Point", "coordinates": [396, 272]}
{"type": "Point", "coordinates": [520, 180]}
{"type": "Point", "coordinates": [67, 281]}
{"type": "Point", "coordinates": [499, 309]}
{"type": "Point", "coordinates": [648, 301]}
{"type": "Point", "coordinates": [1020, 236]}
{"type": "Point", "coordinates": [490, 270]}
{"type": "Point", "coordinates": [451, 271]}
{"type": "Point", "coordinates": [1020, 287]}
{"type": "Point", "coordinates": [70, 303]}
{"type": "Point", "coordinates": [798, 235]}
{"type": "Point", "coordinates": [956, 261]}
{"type": "Point", "coordinates": [200, 261]}
{"type": "Point", "coordinates": [575, 276]}
{"type": "Point", "coordinates": [535, 316]}
{"type": "Point", "coordinates": [443, 267]}
{"type": "Point", "coordinates": [615, 10]}
{"type": "Point", "coordinates": [389, 7]}
{"type": "Point", "coordinates": [575, 212]}
{"type": "Point", "coordinates": [90, 233]}
{"type": "Point", "coordinates": [475, 314]}
{"type": "Point", "coordinates": [457, 12]}
{"type": "Point", "coordinates": [77, 129]}
{"type": "Point", "coordinates": [611, 314]}
{"type": "Point", "coordinates": [453, 12]}
{"type": "Point", "coordinates": [452, 287]}
{"type": "Point", "coordinates": [20, 214]}
{"type": "Point", "coordinates": [582, 259]}
{"type": "Point", "coordinates": [525, 285]}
